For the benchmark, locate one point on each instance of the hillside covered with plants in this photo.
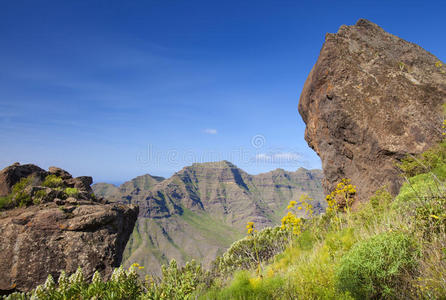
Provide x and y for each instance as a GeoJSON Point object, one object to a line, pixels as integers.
{"type": "Point", "coordinates": [388, 248]}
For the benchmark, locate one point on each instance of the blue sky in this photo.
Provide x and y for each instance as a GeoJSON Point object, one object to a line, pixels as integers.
{"type": "Point", "coordinates": [116, 89]}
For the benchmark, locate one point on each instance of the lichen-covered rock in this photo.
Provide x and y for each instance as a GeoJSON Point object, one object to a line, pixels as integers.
{"type": "Point", "coordinates": [57, 231]}
{"type": "Point", "coordinates": [12, 174]}
{"type": "Point", "coordinates": [59, 172]}
{"type": "Point", "coordinates": [371, 99]}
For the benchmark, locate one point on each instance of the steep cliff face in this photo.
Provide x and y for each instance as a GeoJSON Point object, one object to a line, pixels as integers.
{"type": "Point", "coordinates": [371, 99]}
{"type": "Point", "coordinates": [55, 224]}
{"type": "Point", "coordinates": [202, 209]}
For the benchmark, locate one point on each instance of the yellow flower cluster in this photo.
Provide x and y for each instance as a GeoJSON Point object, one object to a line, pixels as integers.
{"type": "Point", "coordinates": [250, 227]}
{"type": "Point", "coordinates": [136, 266]}
{"type": "Point", "coordinates": [439, 65]}
{"type": "Point", "coordinates": [291, 222]}
{"type": "Point", "coordinates": [344, 192]}
{"type": "Point", "coordinates": [444, 127]}
{"type": "Point", "coordinates": [291, 204]}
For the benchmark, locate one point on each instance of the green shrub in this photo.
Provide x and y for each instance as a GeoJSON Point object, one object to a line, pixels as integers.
{"type": "Point", "coordinates": [71, 192]}
{"type": "Point", "coordinates": [53, 181]}
{"type": "Point", "coordinates": [5, 201]}
{"type": "Point", "coordinates": [339, 242]}
{"type": "Point", "coordinates": [39, 196]}
{"type": "Point", "coordinates": [377, 267]}
{"type": "Point", "coordinates": [177, 282]}
{"type": "Point", "coordinates": [432, 160]}
{"type": "Point", "coordinates": [244, 288]}
{"type": "Point", "coordinates": [373, 213]}
{"type": "Point", "coordinates": [242, 253]}
{"type": "Point", "coordinates": [421, 187]}
{"type": "Point", "coordinates": [19, 195]}
{"type": "Point", "coordinates": [424, 198]}
{"type": "Point", "coordinates": [381, 199]}
{"type": "Point", "coordinates": [22, 199]}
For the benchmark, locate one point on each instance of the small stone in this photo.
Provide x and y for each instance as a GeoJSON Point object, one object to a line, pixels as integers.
{"type": "Point", "coordinates": [71, 200]}
{"type": "Point", "coordinates": [59, 201]}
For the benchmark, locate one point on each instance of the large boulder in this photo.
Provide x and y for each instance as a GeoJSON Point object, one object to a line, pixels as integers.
{"type": "Point", "coordinates": [58, 230]}
{"type": "Point", "coordinates": [12, 174]}
{"type": "Point", "coordinates": [370, 100]}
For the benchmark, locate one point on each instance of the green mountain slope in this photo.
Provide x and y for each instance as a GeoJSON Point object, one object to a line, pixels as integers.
{"type": "Point", "coordinates": [199, 211]}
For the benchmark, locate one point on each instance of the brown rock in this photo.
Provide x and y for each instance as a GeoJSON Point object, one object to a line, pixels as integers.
{"type": "Point", "coordinates": [371, 99]}
{"type": "Point", "coordinates": [46, 237]}
{"type": "Point", "coordinates": [82, 183]}
{"type": "Point", "coordinates": [59, 172]}
{"type": "Point", "coordinates": [12, 174]}
{"type": "Point", "coordinates": [42, 240]}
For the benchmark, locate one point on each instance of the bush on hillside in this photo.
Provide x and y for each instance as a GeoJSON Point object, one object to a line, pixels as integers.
{"type": "Point", "coordinates": [432, 160]}
{"type": "Point", "coordinates": [19, 196]}
{"type": "Point", "coordinates": [242, 253]}
{"type": "Point", "coordinates": [122, 285]}
{"type": "Point", "coordinates": [244, 287]}
{"type": "Point", "coordinates": [177, 282]}
{"type": "Point", "coordinates": [71, 192]}
{"type": "Point", "coordinates": [377, 267]}
{"type": "Point", "coordinates": [53, 181]}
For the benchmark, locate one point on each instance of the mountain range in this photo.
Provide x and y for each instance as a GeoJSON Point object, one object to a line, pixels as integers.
{"type": "Point", "coordinates": [202, 209]}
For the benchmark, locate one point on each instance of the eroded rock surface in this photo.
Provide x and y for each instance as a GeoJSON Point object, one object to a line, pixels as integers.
{"type": "Point", "coordinates": [370, 100]}
{"type": "Point", "coordinates": [57, 231]}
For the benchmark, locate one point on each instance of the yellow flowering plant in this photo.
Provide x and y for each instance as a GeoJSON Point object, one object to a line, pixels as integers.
{"type": "Point", "coordinates": [291, 222]}
{"type": "Point", "coordinates": [250, 228]}
{"type": "Point", "coordinates": [135, 266]}
{"type": "Point", "coordinates": [342, 197]}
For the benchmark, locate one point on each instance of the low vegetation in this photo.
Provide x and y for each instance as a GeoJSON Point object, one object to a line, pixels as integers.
{"type": "Point", "coordinates": [388, 248]}
{"type": "Point", "coordinates": [19, 196]}
{"type": "Point", "coordinates": [53, 181]}
{"type": "Point", "coordinates": [31, 190]}
{"type": "Point", "coordinates": [71, 192]}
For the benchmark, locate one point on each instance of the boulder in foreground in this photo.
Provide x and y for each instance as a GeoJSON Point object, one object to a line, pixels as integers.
{"type": "Point", "coordinates": [51, 221]}
{"type": "Point", "coordinates": [370, 100]}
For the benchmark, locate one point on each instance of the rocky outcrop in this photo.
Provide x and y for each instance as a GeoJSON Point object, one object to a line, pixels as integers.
{"type": "Point", "coordinates": [370, 100]}
{"type": "Point", "coordinates": [61, 227]}
{"type": "Point", "coordinates": [12, 174]}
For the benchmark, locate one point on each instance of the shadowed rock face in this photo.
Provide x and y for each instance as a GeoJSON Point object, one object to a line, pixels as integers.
{"type": "Point", "coordinates": [60, 233]}
{"type": "Point", "coordinates": [371, 99]}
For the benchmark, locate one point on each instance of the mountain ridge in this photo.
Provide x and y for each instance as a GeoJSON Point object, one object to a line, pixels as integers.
{"type": "Point", "coordinates": [202, 208]}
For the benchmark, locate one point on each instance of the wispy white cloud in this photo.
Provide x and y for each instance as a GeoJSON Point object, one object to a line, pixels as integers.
{"type": "Point", "coordinates": [210, 131]}
{"type": "Point", "coordinates": [279, 157]}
